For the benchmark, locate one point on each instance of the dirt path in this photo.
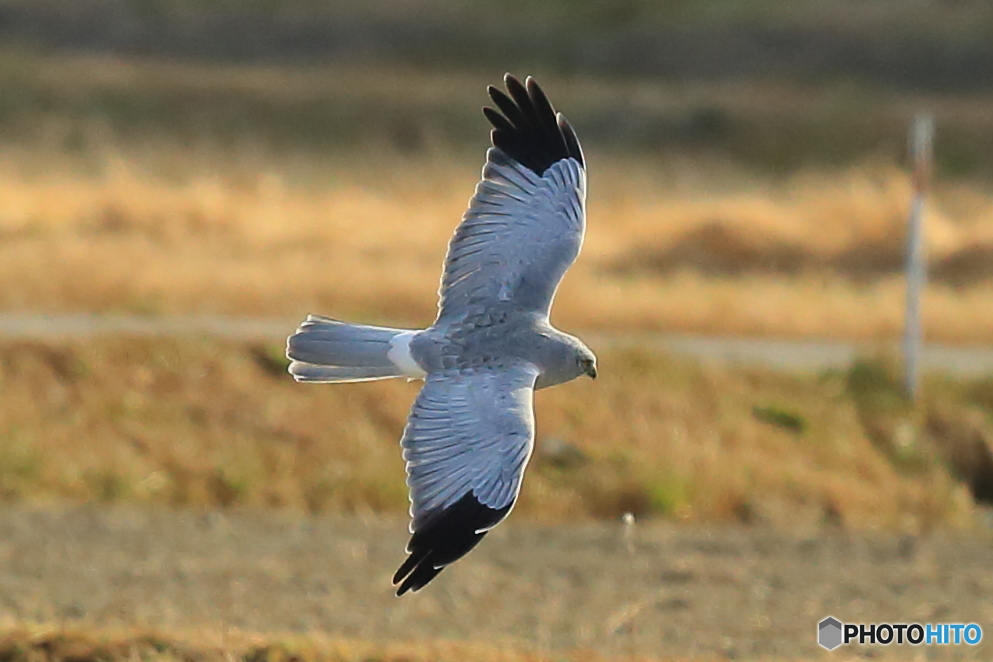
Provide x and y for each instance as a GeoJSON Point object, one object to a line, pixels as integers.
{"type": "Point", "coordinates": [769, 352]}
{"type": "Point", "coordinates": [667, 590]}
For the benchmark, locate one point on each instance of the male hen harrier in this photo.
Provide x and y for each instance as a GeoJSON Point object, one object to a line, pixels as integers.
{"type": "Point", "coordinates": [471, 428]}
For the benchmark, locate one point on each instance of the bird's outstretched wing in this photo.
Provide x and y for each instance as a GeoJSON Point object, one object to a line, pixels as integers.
{"type": "Point", "coordinates": [525, 223]}
{"type": "Point", "coordinates": [467, 441]}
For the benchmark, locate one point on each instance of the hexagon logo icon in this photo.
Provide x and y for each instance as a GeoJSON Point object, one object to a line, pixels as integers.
{"type": "Point", "coordinates": [829, 633]}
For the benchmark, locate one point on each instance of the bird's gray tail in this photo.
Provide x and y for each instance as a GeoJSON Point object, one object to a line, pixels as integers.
{"type": "Point", "coordinates": [327, 350]}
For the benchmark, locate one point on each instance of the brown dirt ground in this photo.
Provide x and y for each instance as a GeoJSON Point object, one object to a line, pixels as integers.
{"type": "Point", "coordinates": [713, 593]}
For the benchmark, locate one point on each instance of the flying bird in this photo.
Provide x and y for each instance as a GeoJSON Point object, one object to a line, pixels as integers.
{"type": "Point", "coordinates": [471, 429]}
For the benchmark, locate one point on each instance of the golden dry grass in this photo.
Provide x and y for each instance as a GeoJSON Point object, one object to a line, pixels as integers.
{"type": "Point", "coordinates": [51, 644]}
{"type": "Point", "coordinates": [153, 224]}
{"type": "Point", "coordinates": [176, 232]}
{"type": "Point", "coordinates": [125, 187]}
{"type": "Point", "coordinates": [205, 423]}
{"type": "Point", "coordinates": [195, 422]}
{"type": "Point", "coordinates": [155, 228]}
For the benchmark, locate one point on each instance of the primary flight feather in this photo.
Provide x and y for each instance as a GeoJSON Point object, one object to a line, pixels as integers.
{"type": "Point", "coordinates": [471, 429]}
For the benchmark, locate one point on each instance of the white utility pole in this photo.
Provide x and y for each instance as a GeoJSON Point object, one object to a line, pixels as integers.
{"type": "Point", "coordinates": [921, 150]}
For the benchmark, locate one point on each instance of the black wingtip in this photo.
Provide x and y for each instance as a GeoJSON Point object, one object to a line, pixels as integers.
{"type": "Point", "coordinates": [527, 128]}
{"type": "Point", "coordinates": [444, 538]}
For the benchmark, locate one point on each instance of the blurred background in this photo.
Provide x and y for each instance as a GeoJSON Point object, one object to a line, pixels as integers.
{"type": "Point", "coordinates": [182, 181]}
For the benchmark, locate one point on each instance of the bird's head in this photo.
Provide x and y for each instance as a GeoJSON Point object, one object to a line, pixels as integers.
{"type": "Point", "coordinates": [586, 360]}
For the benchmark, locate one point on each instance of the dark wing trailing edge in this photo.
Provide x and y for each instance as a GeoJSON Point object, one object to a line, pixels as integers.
{"type": "Point", "coordinates": [444, 539]}
{"type": "Point", "coordinates": [529, 130]}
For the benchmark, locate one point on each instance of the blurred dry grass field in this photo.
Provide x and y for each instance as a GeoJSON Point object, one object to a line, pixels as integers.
{"type": "Point", "coordinates": [168, 187]}
{"type": "Point", "coordinates": [89, 645]}
{"type": "Point", "coordinates": [124, 645]}
{"type": "Point", "coordinates": [122, 193]}
{"type": "Point", "coordinates": [206, 423]}
{"type": "Point", "coordinates": [50, 645]}
{"type": "Point", "coordinates": [816, 255]}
